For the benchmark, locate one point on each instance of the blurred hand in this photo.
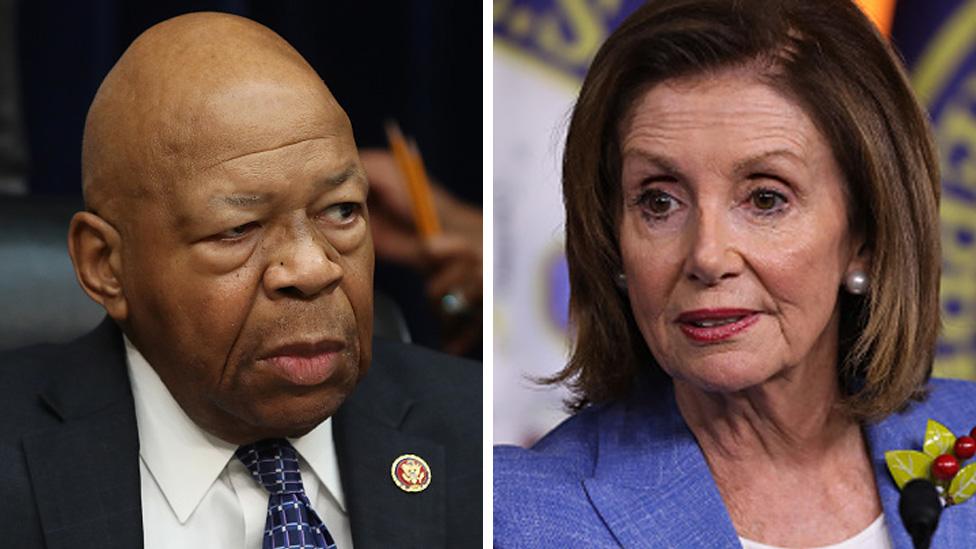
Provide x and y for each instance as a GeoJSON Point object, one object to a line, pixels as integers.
{"type": "Point", "coordinates": [452, 260]}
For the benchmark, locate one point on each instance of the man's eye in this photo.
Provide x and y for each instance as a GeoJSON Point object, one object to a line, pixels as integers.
{"type": "Point", "coordinates": [237, 232]}
{"type": "Point", "coordinates": [342, 214]}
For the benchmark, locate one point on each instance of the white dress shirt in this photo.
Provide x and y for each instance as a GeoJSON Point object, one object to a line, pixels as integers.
{"type": "Point", "coordinates": [195, 493]}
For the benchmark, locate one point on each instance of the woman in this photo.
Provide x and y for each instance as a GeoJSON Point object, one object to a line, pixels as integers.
{"type": "Point", "coordinates": [751, 195]}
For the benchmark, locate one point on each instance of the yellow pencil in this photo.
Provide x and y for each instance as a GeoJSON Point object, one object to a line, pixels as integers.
{"type": "Point", "coordinates": [411, 166]}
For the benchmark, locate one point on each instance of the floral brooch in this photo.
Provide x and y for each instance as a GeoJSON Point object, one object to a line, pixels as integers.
{"type": "Point", "coordinates": [939, 462]}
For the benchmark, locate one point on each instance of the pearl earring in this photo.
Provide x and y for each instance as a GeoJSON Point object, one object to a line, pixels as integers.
{"type": "Point", "coordinates": [856, 282]}
{"type": "Point", "coordinates": [621, 280]}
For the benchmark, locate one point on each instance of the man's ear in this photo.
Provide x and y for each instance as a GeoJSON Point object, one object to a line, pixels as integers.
{"type": "Point", "coordinates": [95, 247]}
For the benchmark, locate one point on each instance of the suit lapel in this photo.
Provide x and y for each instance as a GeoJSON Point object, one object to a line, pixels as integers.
{"type": "Point", "coordinates": [369, 437]}
{"type": "Point", "coordinates": [651, 485]}
{"type": "Point", "coordinates": [85, 472]}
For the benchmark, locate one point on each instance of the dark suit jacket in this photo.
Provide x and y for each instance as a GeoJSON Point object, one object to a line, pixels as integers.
{"type": "Point", "coordinates": [69, 448]}
{"type": "Point", "coordinates": [630, 474]}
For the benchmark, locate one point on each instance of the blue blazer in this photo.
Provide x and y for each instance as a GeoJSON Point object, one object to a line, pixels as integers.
{"type": "Point", "coordinates": [631, 474]}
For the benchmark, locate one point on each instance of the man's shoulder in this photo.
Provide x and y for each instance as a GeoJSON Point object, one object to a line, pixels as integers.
{"type": "Point", "coordinates": [414, 401]}
{"type": "Point", "coordinates": [415, 355]}
{"type": "Point", "coordinates": [422, 391]}
{"type": "Point", "coordinates": [426, 375]}
{"type": "Point", "coordinates": [24, 374]}
{"type": "Point", "coordinates": [38, 379]}
{"type": "Point", "coordinates": [25, 367]}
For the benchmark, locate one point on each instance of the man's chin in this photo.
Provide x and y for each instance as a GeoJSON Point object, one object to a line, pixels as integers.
{"type": "Point", "coordinates": [294, 431]}
{"type": "Point", "coordinates": [288, 416]}
{"type": "Point", "coordinates": [285, 427]}
{"type": "Point", "coordinates": [305, 413]}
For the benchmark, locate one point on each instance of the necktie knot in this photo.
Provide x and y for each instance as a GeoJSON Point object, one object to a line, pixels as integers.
{"type": "Point", "coordinates": [291, 522]}
{"type": "Point", "coordinates": [274, 464]}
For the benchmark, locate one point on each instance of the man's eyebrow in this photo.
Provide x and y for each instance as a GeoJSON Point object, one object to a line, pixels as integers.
{"type": "Point", "coordinates": [355, 171]}
{"type": "Point", "coordinates": [244, 201]}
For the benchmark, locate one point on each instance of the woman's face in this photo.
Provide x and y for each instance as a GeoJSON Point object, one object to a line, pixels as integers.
{"type": "Point", "coordinates": [734, 235]}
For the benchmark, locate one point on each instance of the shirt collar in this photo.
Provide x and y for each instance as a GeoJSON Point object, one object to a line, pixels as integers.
{"type": "Point", "coordinates": [169, 442]}
{"type": "Point", "coordinates": [317, 447]}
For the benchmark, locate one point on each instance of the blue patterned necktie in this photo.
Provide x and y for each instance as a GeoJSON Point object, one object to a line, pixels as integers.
{"type": "Point", "coordinates": [291, 524]}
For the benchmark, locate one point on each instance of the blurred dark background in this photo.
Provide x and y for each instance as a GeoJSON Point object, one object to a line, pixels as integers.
{"type": "Point", "coordinates": [415, 61]}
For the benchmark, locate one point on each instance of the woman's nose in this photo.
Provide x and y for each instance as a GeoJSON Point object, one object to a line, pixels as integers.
{"type": "Point", "coordinates": [712, 254]}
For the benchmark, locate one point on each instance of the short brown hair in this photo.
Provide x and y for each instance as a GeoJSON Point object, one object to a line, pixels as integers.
{"type": "Point", "coordinates": [828, 57]}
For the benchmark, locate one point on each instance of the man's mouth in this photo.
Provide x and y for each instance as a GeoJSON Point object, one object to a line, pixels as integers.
{"type": "Point", "coordinates": [305, 363]}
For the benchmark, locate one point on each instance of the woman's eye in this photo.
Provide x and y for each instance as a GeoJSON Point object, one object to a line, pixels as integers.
{"type": "Point", "coordinates": [766, 200]}
{"type": "Point", "coordinates": [657, 203]}
{"type": "Point", "coordinates": [342, 213]}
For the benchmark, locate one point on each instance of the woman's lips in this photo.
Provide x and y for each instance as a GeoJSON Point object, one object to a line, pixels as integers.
{"type": "Point", "coordinates": [714, 325]}
{"type": "Point", "coordinates": [305, 364]}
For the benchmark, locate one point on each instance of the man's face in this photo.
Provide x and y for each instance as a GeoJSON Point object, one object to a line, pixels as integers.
{"type": "Point", "coordinates": [249, 282]}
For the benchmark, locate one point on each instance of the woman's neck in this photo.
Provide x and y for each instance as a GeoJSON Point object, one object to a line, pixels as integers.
{"type": "Point", "coordinates": [791, 417]}
{"type": "Point", "coordinates": [785, 458]}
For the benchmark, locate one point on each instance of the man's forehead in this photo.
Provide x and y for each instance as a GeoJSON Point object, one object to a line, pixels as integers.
{"type": "Point", "coordinates": [220, 43]}
{"type": "Point", "coordinates": [250, 117]}
{"type": "Point", "coordinates": [197, 90]}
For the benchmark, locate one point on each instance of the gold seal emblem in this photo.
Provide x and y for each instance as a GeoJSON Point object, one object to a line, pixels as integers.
{"type": "Point", "coordinates": [410, 473]}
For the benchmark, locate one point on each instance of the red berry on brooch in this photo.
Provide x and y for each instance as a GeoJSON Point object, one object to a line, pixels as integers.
{"type": "Point", "coordinates": [945, 467]}
{"type": "Point", "coordinates": [973, 432]}
{"type": "Point", "coordinates": [965, 447]}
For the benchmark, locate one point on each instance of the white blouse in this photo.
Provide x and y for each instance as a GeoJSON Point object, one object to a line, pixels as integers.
{"type": "Point", "coordinates": [875, 536]}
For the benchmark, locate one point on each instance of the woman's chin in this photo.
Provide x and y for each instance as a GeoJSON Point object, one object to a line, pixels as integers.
{"type": "Point", "coordinates": [722, 378]}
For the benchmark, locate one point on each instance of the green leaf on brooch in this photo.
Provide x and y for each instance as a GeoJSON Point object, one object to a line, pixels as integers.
{"type": "Point", "coordinates": [905, 465]}
{"type": "Point", "coordinates": [938, 439]}
{"type": "Point", "coordinates": [964, 484]}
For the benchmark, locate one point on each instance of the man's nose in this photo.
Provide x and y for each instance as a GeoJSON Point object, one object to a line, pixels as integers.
{"type": "Point", "coordinates": [302, 264]}
{"type": "Point", "coordinates": [712, 255]}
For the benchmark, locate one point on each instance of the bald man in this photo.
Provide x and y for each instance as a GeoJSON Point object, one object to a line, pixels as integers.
{"type": "Point", "coordinates": [233, 397]}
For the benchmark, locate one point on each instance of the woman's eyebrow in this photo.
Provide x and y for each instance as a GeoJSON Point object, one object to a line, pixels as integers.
{"type": "Point", "coordinates": [750, 162]}
{"type": "Point", "coordinates": [659, 161]}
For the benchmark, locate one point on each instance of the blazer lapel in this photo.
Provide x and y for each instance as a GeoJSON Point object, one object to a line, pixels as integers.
{"type": "Point", "coordinates": [368, 438]}
{"type": "Point", "coordinates": [905, 432]}
{"type": "Point", "coordinates": [882, 437]}
{"type": "Point", "coordinates": [651, 485]}
{"type": "Point", "coordinates": [85, 472]}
